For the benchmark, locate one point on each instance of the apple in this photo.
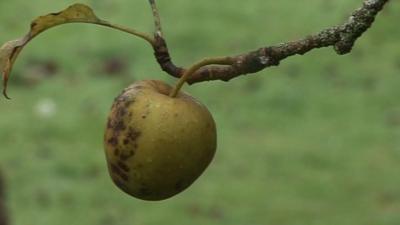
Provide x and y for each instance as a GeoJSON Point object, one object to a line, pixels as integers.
{"type": "Point", "coordinates": [156, 145]}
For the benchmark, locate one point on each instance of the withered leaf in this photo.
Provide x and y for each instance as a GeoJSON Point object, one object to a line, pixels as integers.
{"type": "Point", "coordinates": [77, 13]}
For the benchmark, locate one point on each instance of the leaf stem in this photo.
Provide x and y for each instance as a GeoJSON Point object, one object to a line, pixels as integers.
{"type": "Point", "coordinates": [142, 35]}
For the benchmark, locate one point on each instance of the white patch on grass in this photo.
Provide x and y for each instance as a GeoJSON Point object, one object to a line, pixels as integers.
{"type": "Point", "coordinates": [45, 108]}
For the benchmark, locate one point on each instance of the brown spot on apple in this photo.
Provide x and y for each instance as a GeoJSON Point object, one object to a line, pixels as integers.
{"type": "Point", "coordinates": [123, 166]}
{"type": "Point", "coordinates": [126, 141]}
{"type": "Point", "coordinates": [126, 156]}
{"type": "Point", "coordinates": [116, 170]}
{"type": "Point", "coordinates": [133, 134]}
{"type": "Point", "coordinates": [116, 152]}
{"type": "Point", "coordinates": [119, 126]}
{"type": "Point", "coordinates": [113, 141]}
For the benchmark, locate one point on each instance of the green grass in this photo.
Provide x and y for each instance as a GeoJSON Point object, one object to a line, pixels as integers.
{"type": "Point", "coordinates": [314, 141]}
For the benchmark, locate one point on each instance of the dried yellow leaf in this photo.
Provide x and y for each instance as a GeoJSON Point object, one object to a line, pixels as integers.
{"type": "Point", "coordinates": [77, 13]}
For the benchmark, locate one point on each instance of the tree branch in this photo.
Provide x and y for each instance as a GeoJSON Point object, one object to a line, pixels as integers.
{"type": "Point", "coordinates": [342, 38]}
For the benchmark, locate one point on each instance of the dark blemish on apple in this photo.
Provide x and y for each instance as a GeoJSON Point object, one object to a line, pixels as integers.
{"type": "Point", "coordinates": [176, 115]}
{"type": "Point", "coordinates": [113, 141]}
{"type": "Point", "coordinates": [123, 166]}
{"type": "Point", "coordinates": [120, 126]}
{"type": "Point", "coordinates": [116, 152]}
{"type": "Point", "coordinates": [116, 170]}
{"type": "Point", "coordinates": [133, 134]}
{"type": "Point", "coordinates": [126, 141]}
{"type": "Point", "coordinates": [127, 156]}
{"type": "Point", "coordinates": [121, 112]}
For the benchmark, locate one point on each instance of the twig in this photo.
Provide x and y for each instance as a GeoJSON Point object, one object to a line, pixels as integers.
{"type": "Point", "coordinates": [156, 16]}
{"type": "Point", "coordinates": [342, 38]}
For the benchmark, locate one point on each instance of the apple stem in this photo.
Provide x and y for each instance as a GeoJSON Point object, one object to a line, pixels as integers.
{"type": "Point", "coordinates": [208, 61]}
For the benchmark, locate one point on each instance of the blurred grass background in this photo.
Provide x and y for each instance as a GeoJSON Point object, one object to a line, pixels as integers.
{"type": "Point", "coordinates": [313, 141]}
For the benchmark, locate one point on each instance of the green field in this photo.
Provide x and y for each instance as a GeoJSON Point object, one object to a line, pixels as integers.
{"type": "Point", "coordinates": [315, 141]}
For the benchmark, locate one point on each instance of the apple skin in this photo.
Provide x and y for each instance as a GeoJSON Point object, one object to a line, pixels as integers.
{"type": "Point", "coordinates": [156, 145]}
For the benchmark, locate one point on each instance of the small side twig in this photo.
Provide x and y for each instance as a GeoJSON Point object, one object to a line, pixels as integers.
{"type": "Point", "coordinates": [342, 38]}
